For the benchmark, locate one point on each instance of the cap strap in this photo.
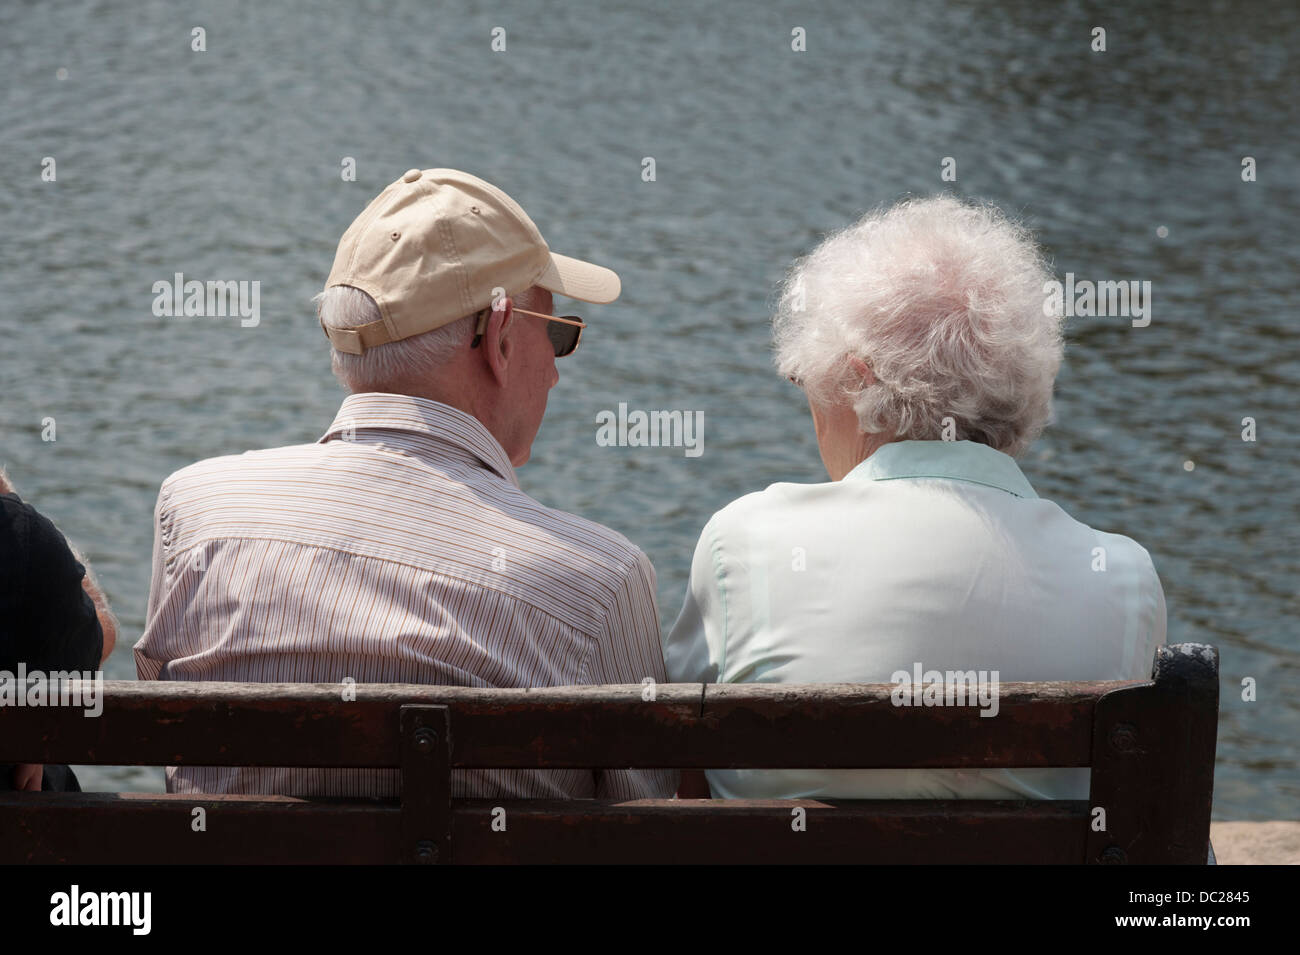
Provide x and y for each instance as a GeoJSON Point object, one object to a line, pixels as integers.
{"type": "Point", "coordinates": [354, 341]}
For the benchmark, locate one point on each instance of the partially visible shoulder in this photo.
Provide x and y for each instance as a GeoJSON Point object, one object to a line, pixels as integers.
{"type": "Point", "coordinates": [782, 502]}
{"type": "Point", "coordinates": [20, 521]}
{"type": "Point", "coordinates": [1116, 546]}
{"type": "Point", "coordinates": [11, 505]}
{"type": "Point", "coordinates": [228, 466]}
{"type": "Point", "coordinates": [575, 539]}
{"type": "Point", "coordinates": [201, 469]}
{"type": "Point", "coordinates": [30, 538]}
{"type": "Point", "coordinates": [1140, 555]}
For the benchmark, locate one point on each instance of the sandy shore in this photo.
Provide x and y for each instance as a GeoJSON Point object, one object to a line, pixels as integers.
{"type": "Point", "coordinates": [1256, 843]}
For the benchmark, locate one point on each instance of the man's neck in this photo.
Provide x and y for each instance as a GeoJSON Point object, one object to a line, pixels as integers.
{"type": "Point", "coordinates": [467, 400]}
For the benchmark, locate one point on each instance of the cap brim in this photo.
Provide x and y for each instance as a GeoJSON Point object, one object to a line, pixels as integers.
{"type": "Point", "coordinates": [581, 280]}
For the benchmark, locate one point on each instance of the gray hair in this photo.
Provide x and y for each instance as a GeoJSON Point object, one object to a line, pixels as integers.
{"type": "Point", "coordinates": [381, 368]}
{"type": "Point", "coordinates": [944, 301]}
{"type": "Point", "coordinates": [93, 589]}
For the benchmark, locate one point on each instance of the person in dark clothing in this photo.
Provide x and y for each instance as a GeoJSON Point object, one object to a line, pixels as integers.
{"type": "Point", "coordinates": [53, 616]}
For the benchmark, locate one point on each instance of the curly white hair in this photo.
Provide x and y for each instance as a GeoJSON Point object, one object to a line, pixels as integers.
{"type": "Point", "coordinates": [944, 301]}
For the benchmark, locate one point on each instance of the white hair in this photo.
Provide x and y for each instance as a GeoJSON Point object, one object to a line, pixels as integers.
{"type": "Point", "coordinates": [944, 301]}
{"type": "Point", "coordinates": [94, 590]}
{"type": "Point", "coordinates": [391, 364]}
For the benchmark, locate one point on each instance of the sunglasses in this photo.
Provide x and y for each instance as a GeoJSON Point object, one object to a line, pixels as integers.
{"type": "Point", "coordinates": [564, 331]}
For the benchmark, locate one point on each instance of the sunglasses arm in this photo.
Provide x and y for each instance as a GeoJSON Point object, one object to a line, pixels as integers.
{"type": "Point", "coordinates": [481, 327]}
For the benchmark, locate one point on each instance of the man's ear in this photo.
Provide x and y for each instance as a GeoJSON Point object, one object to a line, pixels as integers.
{"type": "Point", "coordinates": [498, 348]}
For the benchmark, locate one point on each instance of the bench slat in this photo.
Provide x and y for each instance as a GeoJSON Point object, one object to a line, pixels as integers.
{"type": "Point", "coordinates": [147, 828]}
{"type": "Point", "coordinates": [98, 828]}
{"type": "Point", "coordinates": [729, 726]}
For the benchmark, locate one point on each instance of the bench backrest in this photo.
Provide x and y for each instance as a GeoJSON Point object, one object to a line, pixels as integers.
{"type": "Point", "coordinates": [1150, 747]}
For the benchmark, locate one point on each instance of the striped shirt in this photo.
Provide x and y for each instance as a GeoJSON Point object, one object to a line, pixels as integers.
{"type": "Point", "coordinates": [396, 549]}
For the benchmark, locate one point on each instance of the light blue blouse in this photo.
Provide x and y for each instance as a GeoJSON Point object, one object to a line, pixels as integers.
{"type": "Point", "coordinates": [929, 553]}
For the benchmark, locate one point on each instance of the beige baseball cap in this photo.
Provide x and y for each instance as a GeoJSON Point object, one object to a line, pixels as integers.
{"type": "Point", "coordinates": [433, 246]}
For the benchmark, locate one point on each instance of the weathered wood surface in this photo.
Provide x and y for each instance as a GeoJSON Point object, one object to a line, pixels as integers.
{"type": "Point", "coordinates": [105, 827]}
{"type": "Point", "coordinates": [1150, 746]}
{"type": "Point", "coordinates": [1153, 762]}
{"type": "Point", "coordinates": [426, 783]}
{"type": "Point", "coordinates": [686, 726]}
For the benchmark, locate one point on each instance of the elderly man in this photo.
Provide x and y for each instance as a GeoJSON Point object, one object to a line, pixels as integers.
{"type": "Point", "coordinates": [922, 342]}
{"type": "Point", "coordinates": [399, 547]}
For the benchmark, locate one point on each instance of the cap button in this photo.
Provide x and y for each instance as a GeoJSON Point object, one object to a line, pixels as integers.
{"type": "Point", "coordinates": [411, 175]}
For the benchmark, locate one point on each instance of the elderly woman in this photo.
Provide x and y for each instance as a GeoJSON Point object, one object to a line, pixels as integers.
{"type": "Point", "coordinates": [921, 339]}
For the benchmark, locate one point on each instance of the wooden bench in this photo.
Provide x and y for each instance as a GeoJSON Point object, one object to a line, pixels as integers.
{"type": "Point", "coordinates": [1150, 747]}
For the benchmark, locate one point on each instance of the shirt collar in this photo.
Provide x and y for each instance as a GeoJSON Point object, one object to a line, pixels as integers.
{"type": "Point", "coordinates": [429, 425]}
{"type": "Point", "coordinates": [954, 460]}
